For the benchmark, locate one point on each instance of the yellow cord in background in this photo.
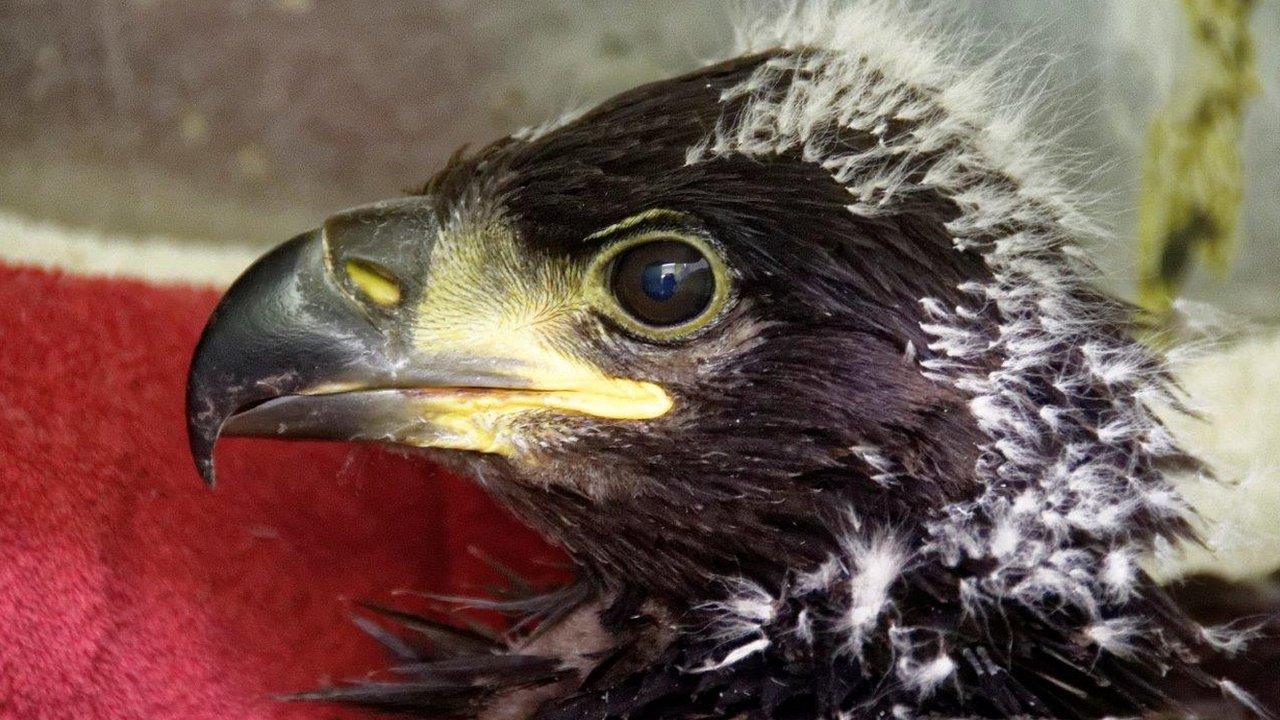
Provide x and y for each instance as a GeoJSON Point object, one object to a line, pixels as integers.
{"type": "Point", "coordinates": [1192, 178]}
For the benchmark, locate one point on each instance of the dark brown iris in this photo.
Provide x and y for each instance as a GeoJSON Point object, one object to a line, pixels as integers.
{"type": "Point", "coordinates": [663, 283]}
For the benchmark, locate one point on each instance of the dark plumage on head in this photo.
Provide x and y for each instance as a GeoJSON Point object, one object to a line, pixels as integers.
{"type": "Point", "coordinates": [812, 356]}
{"type": "Point", "coordinates": [794, 356]}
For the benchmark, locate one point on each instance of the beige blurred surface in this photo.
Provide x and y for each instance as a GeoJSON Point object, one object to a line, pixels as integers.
{"type": "Point", "coordinates": [1236, 391]}
{"type": "Point", "coordinates": [159, 258]}
{"type": "Point", "coordinates": [248, 120]}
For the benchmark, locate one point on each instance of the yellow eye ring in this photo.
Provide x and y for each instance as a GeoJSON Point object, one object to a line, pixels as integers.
{"type": "Point", "coordinates": [663, 285]}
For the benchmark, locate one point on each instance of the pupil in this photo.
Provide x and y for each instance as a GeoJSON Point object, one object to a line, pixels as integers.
{"type": "Point", "coordinates": [660, 280]}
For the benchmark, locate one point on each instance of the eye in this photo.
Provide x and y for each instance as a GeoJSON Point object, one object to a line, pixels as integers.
{"type": "Point", "coordinates": [663, 283]}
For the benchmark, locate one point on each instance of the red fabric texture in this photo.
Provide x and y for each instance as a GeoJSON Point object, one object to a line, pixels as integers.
{"type": "Point", "coordinates": [129, 590]}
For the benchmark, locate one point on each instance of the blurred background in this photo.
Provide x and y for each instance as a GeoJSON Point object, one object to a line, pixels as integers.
{"type": "Point", "coordinates": [236, 124]}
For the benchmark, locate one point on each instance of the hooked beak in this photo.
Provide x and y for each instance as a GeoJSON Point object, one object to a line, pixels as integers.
{"type": "Point", "coordinates": [305, 346]}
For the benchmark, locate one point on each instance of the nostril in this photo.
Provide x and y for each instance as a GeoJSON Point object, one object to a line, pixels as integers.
{"type": "Point", "coordinates": [376, 283]}
{"type": "Point", "coordinates": [379, 253]}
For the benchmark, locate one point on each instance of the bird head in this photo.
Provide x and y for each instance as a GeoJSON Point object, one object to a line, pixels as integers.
{"type": "Point", "coordinates": [692, 331]}
{"type": "Point", "coordinates": [670, 364]}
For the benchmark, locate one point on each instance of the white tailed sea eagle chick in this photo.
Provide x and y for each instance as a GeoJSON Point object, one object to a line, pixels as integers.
{"type": "Point", "coordinates": [796, 358]}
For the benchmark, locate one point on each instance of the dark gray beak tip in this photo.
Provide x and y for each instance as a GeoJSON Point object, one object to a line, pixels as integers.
{"type": "Point", "coordinates": [282, 327]}
{"type": "Point", "coordinates": [288, 325]}
{"type": "Point", "coordinates": [204, 466]}
{"type": "Point", "coordinates": [239, 342]}
{"type": "Point", "coordinates": [204, 419]}
{"type": "Point", "coordinates": [202, 444]}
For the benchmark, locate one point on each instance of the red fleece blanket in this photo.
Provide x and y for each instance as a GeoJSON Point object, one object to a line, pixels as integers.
{"type": "Point", "coordinates": [129, 590]}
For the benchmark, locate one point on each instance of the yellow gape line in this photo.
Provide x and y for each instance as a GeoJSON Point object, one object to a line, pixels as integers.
{"type": "Point", "coordinates": [481, 419]}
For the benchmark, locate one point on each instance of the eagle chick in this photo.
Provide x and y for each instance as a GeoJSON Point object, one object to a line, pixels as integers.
{"type": "Point", "coordinates": [797, 357]}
